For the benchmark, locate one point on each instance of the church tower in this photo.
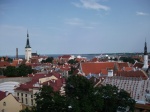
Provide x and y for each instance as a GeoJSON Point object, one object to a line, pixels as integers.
{"type": "Point", "coordinates": [27, 49]}
{"type": "Point", "coordinates": [145, 57]}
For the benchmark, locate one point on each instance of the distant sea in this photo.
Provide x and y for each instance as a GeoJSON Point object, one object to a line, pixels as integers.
{"type": "Point", "coordinates": [88, 56]}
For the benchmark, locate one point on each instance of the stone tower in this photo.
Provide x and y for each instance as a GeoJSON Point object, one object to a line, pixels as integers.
{"type": "Point", "coordinates": [27, 49]}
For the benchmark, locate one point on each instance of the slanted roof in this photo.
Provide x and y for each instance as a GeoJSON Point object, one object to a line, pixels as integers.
{"type": "Point", "coordinates": [122, 65]}
{"type": "Point", "coordinates": [138, 65]}
{"type": "Point", "coordinates": [34, 83]}
{"type": "Point", "coordinates": [4, 64]}
{"type": "Point", "coordinates": [138, 74]}
{"type": "Point", "coordinates": [95, 68]}
{"type": "Point", "coordinates": [2, 95]}
{"type": "Point", "coordinates": [65, 56]}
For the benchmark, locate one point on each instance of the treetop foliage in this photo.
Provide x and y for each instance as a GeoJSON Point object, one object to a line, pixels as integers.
{"type": "Point", "coordinates": [82, 96]}
{"type": "Point", "coordinates": [22, 70]}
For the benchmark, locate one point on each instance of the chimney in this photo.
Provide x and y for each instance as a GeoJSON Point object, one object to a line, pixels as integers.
{"type": "Point", "coordinates": [16, 53]}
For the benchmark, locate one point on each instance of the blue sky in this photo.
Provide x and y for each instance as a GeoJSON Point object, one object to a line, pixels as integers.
{"type": "Point", "coordinates": [74, 26]}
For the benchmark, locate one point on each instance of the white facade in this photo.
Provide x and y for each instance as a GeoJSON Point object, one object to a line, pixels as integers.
{"type": "Point", "coordinates": [145, 61]}
{"type": "Point", "coordinates": [28, 53]}
{"type": "Point", "coordinates": [110, 73]}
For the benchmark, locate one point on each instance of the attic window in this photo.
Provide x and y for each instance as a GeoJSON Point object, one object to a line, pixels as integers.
{"type": "Point", "coordinates": [4, 104]}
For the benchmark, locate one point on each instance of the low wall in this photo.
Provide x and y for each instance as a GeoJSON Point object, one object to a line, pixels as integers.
{"type": "Point", "coordinates": [16, 79]}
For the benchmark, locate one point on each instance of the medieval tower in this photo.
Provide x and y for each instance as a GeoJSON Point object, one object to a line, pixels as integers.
{"type": "Point", "coordinates": [27, 49]}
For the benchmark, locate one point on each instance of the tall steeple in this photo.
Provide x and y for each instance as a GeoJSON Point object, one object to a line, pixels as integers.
{"type": "Point", "coordinates": [27, 43]}
{"type": "Point", "coordinates": [28, 52]}
{"type": "Point", "coordinates": [145, 57]}
{"type": "Point", "coordinates": [145, 48]}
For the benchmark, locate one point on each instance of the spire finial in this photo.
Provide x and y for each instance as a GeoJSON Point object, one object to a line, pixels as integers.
{"type": "Point", "coordinates": [27, 33]}
{"type": "Point", "coordinates": [27, 43]}
{"type": "Point", "coordinates": [145, 48]}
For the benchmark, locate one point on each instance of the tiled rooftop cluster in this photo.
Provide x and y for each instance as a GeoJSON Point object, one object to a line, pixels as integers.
{"type": "Point", "coordinates": [136, 86]}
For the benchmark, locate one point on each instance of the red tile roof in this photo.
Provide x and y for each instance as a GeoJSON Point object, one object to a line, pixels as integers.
{"type": "Point", "coordinates": [95, 60]}
{"type": "Point", "coordinates": [95, 68]}
{"type": "Point", "coordinates": [138, 73]}
{"type": "Point", "coordinates": [14, 63]}
{"type": "Point", "coordinates": [122, 65]}
{"type": "Point", "coordinates": [104, 71]}
{"type": "Point", "coordinates": [65, 56]}
{"type": "Point", "coordinates": [65, 67]}
{"type": "Point", "coordinates": [2, 95]}
{"type": "Point", "coordinates": [56, 85]}
{"type": "Point", "coordinates": [35, 81]}
{"type": "Point", "coordinates": [138, 65]}
{"type": "Point", "coordinates": [4, 64]}
{"type": "Point", "coordinates": [127, 68]}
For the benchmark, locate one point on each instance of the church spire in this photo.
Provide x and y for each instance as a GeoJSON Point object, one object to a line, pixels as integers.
{"type": "Point", "coordinates": [27, 34]}
{"type": "Point", "coordinates": [27, 43]}
{"type": "Point", "coordinates": [145, 48]}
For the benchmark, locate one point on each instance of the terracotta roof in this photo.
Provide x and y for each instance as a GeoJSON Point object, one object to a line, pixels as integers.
{"type": "Point", "coordinates": [138, 73]}
{"type": "Point", "coordinates": [127, 68]}
{"type": "Point", "coordinates": [35, 81]}
{"type": "Point", "coordinates": [2, 95]}
{"type": "Point", "coordinates": [56, 85]}
{"type": "Point", "coordinates": [138, 65]}
{"type": "Point", "coordinates": [33, 60]}
{"type": "Point", "coordinates": [104, 71]}
{"type": "Point", "coordinates": [65, 56]}
{"type": "Point", "coordinates": [95, 68]}
{"type": "Point", "coordinates": [122, 65]}
{"type": "Point", "coordinates": [4, 64]}
{"type": "Point", "coordinates": [143, 106]}
{"type": "Point", "coordinates": [95, 60]}
{"type": "Point", "coordinates": [65, 67]}
{"type": "Point", "coordinates": [14, 63]}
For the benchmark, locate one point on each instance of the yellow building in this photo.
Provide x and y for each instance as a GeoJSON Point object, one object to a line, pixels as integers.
{"type": "Point", "coordinates": [8, 103]}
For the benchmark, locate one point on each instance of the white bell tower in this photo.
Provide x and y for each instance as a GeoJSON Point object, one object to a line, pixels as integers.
{"type": "Point", "coordinates": [27, 49]}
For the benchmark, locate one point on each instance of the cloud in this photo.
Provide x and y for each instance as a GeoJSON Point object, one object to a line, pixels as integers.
{"type": "Point", "coordinates": [91, 4]}
{"type": "Point", "coordinates": [77, 22]}
{"type": "Point", "coordinates": [74, 22]}
{"type": "Point", "coordinates": [142, 14]}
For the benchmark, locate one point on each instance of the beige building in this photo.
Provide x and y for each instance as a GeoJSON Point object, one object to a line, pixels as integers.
{"type": "Point", "coordinates": [26, 92]}
{"type": "Point", "coordinates": [8, 103]}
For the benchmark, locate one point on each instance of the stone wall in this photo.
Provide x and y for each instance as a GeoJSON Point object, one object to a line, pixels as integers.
{"type": "Point", "coordinates": [16, 79]}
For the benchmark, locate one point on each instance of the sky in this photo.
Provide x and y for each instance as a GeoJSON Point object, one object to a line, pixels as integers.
{"type": "Point", "coordinates": [74, 26]}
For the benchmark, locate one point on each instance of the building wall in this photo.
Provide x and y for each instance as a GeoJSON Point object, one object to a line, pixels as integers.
{"type": "Point", "coordinates": [145, 61]}
{"type": "Point", "coordinates": [28, 53]}
{"type": "Point", "coordinates": [10, 104]}
{"type": "Point", "coordinates": [27, 97]}
{"type": "Point", "coordinates": [41, 80]}
{"type": "Point", "coordinates": [16, 79]}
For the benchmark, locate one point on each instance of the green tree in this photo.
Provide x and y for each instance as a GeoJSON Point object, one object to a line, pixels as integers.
{"type": "Point", "coordinates": [24, 70]}
{"type": "Point", "coordinates": [115, 99]}
{"type": "Point", "coordinates": [48, 60]}
{"type": "Point", "coordinates": [72, 61]}
{"type": "Point", "coordinates": [49, 101]}
{"type": "Point", "coordinates": [32, 109]}
{"type": "Point", "coordinates": [127, 59]}
{"type": "Point", "coordinates": [81, 95]}
{"type": "Point", "coordinates": [72, 70]}
{"type": "Point", "coordinates": [10, 71]}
